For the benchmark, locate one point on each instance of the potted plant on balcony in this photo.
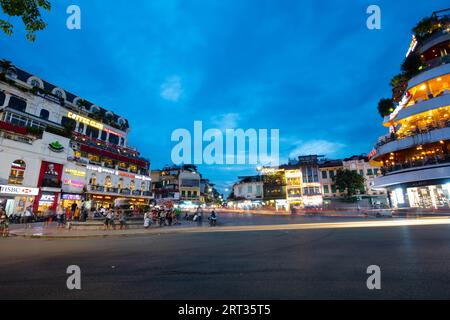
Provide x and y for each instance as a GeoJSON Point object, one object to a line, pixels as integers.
{"type": "Point", "coordinates": [426, 27]}
{"type": "Point", "coordinates": [385, 107]}
{"type": "Point", "coordinates": [412, 65]}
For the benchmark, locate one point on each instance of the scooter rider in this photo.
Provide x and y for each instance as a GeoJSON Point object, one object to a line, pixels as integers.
{"type": "Point", "coordinates": [212, 218]}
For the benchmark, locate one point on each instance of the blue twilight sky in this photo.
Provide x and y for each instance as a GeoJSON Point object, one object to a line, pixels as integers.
{"type": "Point", "coordinates": [309, 68]}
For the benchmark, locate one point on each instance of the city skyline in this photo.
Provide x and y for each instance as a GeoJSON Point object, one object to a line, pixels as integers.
{"type": "Point", "coordinates": [268, 71]}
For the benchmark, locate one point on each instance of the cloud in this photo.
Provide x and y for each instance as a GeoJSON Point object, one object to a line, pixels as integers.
{"type": "Point", "coordinates": [172, 89]}
{"type": "Point", "coordinates": [226, 121]}
{"type": "Point", "coordinates": [319, 147]}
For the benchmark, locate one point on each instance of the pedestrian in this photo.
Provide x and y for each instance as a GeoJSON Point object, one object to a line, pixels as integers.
{"type": "Point", "coordinates": [73, 208]}
{"type": "Point", "coordinates": [76, 215]}
{"type": "Point", "coordinates": [162, 217]}
{"type": "Point", "coordinates": [177, 215]}
{"type": "Point", "coordinates": [28, 215]}
{"type": "Point", "coordinates": [123, 219]}
{"type": "Point", "coordinates": [4, 223]}
{"type": "Point", "coordinates": [107, 216]}
{"type": "Point", "coordinates": [111, 217]}
{"type": "Point", "coordinates": [147, 219]}
{"type": "Point", "coordinates": [68, 215]}
{"type": "Point", "coordinates": [169, 217]}
{"type": "Point", "coordinates": [48, 217]}
{"type": "Point", "coordinates": [60, 217]}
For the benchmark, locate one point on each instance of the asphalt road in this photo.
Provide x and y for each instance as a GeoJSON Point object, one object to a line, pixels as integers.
{"type": "Point", "coordinates": [276, 264]}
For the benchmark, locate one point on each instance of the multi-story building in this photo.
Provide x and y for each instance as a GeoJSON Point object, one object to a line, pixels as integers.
{"type": "Point", "coordinates": [415, 155]}
{"type": "Point", "coordinates": [248, 192]}
{"type": "Point", "coordinates": [292, 185]}
{"type": "Point", "coordinates": [328, 170]}
{"type": "Point", "coordinates": [89, 158]}
{"type": "Point", "coordinates": [177, 183]}
{"type": "Point", "coordinates": [361, 165]}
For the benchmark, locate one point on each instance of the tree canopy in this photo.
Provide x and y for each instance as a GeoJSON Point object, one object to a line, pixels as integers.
{"type": "Point", "coordinates": [349, 181]}
{"type": "Point", "coordinates": [30, 13]}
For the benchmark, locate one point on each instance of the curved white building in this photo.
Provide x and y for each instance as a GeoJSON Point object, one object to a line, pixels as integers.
{"type": "Point", "coordinates": [415, 154]}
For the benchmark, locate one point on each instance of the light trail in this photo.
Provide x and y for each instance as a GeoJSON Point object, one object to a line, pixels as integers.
{"type": "Point", "coordinates": [332, 225]}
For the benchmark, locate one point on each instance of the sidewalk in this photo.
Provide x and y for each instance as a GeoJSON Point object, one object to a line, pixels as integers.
{"type": "Point", "coordinates": [52, 232]}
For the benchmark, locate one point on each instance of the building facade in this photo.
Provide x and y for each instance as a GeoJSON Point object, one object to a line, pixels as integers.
{"type": "Point", "coordinates": [70, 149]}
{"type": "Point", "coordinates": [183, 185]}
{"type": "Point", "coordinates": [415, 155]}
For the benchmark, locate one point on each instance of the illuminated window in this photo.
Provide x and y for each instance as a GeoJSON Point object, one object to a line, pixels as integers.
{"type": "Point", "coordinates": [94, 158]}
{"type": "Point", "coordinates": [17, 173]}
{"type": "Point", "coordinates": [108, 182]}
{"type": "Point", "coordinates": [93, 180]}
{"type": "Point", "coordinates": [132, 185]}
{"type": "Point", "coordinates": [120, 184]}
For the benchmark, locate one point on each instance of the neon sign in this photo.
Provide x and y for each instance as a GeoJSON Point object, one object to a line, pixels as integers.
{"type": "Point", "coordinates": [85, 120]}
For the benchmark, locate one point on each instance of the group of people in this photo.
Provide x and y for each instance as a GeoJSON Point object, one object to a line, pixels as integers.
{"type": "Point", "coordinates": [110, 215]}
{"type": "Point", "coordinates": [162, 216]}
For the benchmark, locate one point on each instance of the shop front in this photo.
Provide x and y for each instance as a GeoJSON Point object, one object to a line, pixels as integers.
{"type": "Point", "coordinates": [69, 199]}
{"type": "Point", "coordinates": [73, 186]}
{"type": "Point", "coordinates": [433, 196]}
{"type": "Point", "coordinates": [16, 199]}
{"type": "Point", "coordinates": [97, 201]}
{"type": "Point", "coordinates": [50, 184]}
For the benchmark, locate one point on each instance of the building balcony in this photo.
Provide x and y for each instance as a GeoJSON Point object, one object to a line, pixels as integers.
{"type": "Point", "coordinates": [435, 72]}
{"type": "Point", "coordinates": [416, 173]}
{"type": "Point", "coordinates": [117, 191]}
{"type": "Point", "coordinates": [430, 135]}
{"type": "Point", "coordinates": [435, 39]}
{"type": "Point", "coordinates": [441, 100]}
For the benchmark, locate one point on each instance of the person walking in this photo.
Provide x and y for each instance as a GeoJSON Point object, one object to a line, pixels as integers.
{"type": "Point", "coordinates": [177, 215]}
{"type": "Point", "coordinates": [28, 215]}
{"type": "Point", "coordinates": [60, 217]}
{"type": "Point", "coordinates": [4, 223]}
{"type": "Point", "coordinates": [169, 217]}
{"type": "Point", "coordinates": [122, 219]}
{"type": "Point", "coordinates": [147, 219]}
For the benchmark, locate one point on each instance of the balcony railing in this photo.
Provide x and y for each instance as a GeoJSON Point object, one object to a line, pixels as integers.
{"type": "Point", "coordinates": [118, 191]}
{"type": "Point", "coordinates": [428, 161]}
{"type": "Point", "coordinates": [436, 62]}
{"type": "Point", "coordinates": [432, 126]}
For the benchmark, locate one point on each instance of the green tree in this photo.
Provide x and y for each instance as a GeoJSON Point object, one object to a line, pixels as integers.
{"type": "Point", "coordinates": [29, 11]}
{"type": "Point", "coordinates": [385, 107]}
{"type": "Point", "coordinates": [426, 27]}
{"type": "Point", "coordinates": [349, 182]}
{"type": "Point", "coordinates": [412, 65]}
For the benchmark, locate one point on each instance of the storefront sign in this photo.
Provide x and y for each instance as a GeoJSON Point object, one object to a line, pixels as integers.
{"type": "Point", "coordinates": [118, 173]}
{"type": "Point", "coordinates": [74, 197]}
{"type": "Point", "coordinates": [56, 147]}
{"type": "Point", "coordinates": [74, 183]}
{"type": "Point", "coordinates": [113, 132]}
{"type": "Point", "coordinates": [84, 120]}
{"type": "Point", "coordinates": [412, 46]}
{"type": "Point", "coordinates": [401, 105]}
{"type": "Point", "coordinates": [76, 173]}
{"type": "Point", "coordinates": [105, 170]}
{"type": "Point", "coordinates": [18, 190]}
{"type": "Point", "coordinates": [47, 198]}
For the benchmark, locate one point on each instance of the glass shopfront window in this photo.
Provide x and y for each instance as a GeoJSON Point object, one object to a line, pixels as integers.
{"type": "Point", "coordinates": [436, 197]}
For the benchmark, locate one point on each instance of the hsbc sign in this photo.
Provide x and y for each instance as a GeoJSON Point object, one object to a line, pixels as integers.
{"type": "Point", "coordinates": [19, 190]}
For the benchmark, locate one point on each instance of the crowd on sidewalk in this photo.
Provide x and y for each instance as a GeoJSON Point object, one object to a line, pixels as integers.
{"type": "Point", "coordinates": [112, 218]}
